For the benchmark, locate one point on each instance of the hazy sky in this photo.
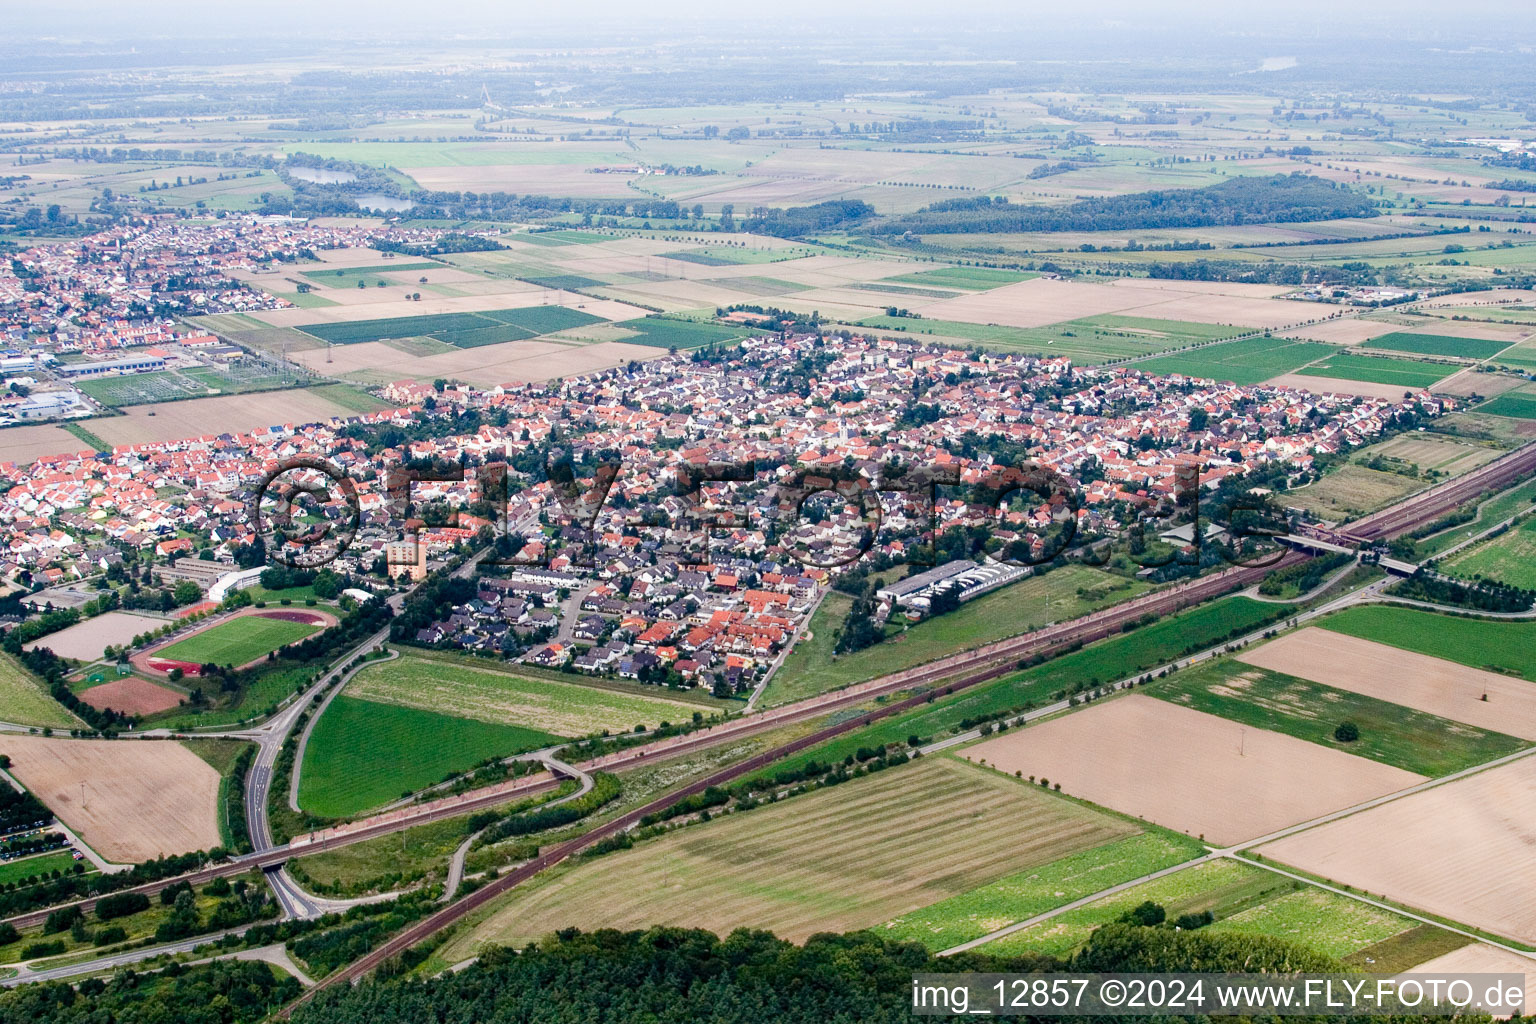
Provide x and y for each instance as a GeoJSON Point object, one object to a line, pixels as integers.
{"type": "Point", "coordinates": [118, 21]}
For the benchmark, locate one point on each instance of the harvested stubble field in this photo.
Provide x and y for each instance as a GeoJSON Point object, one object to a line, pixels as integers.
{"type": "Point", "coordinates": [1190, 771]}
{"type": "Point", "coordinates": [85, 641]}
{"type": "Point", "coordinates": [487, 366]}
{"type": "Point", "coordinates": [1429, 452]}
{"type": "Point", "coordinates": [1342, 331]}
{"type": "Point", "coordinates": [198, 417]}
{"type": "Point", "coordinates": [1461, 850]}
{"type": "Point", "coordinates": [1390, 732]}
{"type": "Point", "coordinates": [1487, 700]}
{"type": "Point", "coordinates": [25, 445]}
{"type": "Point", "coordinates": [363, 753]}
{"type": "Point", "coordinates": [464, 691]}
{"type": "Point", "coordinates": [1481, 958]}
{"type": "Point", "coordinates": [142, 798]}
{"type": "Point", "coordinates": [24, 701]}
{"type": "Point", "coordinates": [1335, 386]}
{"type": "Point", "coordinates": [832, 860]}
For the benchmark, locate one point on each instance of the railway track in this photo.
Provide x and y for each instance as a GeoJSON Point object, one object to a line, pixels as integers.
{"type": "Point", "coordinates": [1429, 505]}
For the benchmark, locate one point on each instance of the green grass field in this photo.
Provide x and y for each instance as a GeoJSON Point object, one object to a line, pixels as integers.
{"type": "Point", "coordinates": [831, 860]}
{"type": "Point", "coordinates": [972, 278]}
{"type": "Point", "coordinates": [1244, 898]}
{"type": "Point", "coordinates": [1250, 361]}
{"type": "Point", "coordinates": [462, 330]}
{"type": "Point", "coordinates": [471, 691]}
{"type": "Point", "coordinates": [1032, 602]}
{"type": "Point", "coordinates": [1514, 404]}
{"type": "Point", "coordinates": [1404, 373]}
{"type": "Point", "coordinates": [363, 753]}
{"type": "Point", "coordinates": [23, 701]}
{"type": "Point", "coordinates": [664, 332]}
{"type": "Point", "coordinates": [564, 282]}
{"type": "Point", "coordinates": [1509, 558]}
{"type": "Point", "coordinates": [41, 864]}
{"type": "Point", "coordinates": [1027, 893]}
{"type": "Point", "coordinates": [731, 256]}
{"type": "Point", "coordinates": [1505, 646]}
{"type": "Point", "coordinates": [237, 641]}
{"type": "Point", "coordinates": [1390, 733]}
{"type": "Point", "coordinates": [1438, 345]}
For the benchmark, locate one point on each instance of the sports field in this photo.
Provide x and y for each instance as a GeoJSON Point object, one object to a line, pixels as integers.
{"type": "Point", "coordinates": [1391, 733]}
{"type": "Point", "coordinates": [1507, 646]}
{"type": "Point", "coordinates": [237, 641]}
{"type": "Point", "coordinates": [362, 753]}
{"type": "Point", "coordinates": [1190, 771]}
{"type": "Point", "coordinates": [465, 691]}
{"type": "Point", "coordinates": [461, 330]}
{"type": "Point", "coordinates": [833, 860]}
{"type": "Point", "coordinates": [1509, 558]}
{"type": "Point", "coordinates": [1461, 850]}
{"type": "Point", "coordinates": [1034, 891]}
{"type": "Point", "coordinates": [1244, 899]}
{"type": "Point", "coordinates": [1062, 594]}
{"type": "Point", "coordinates": [1251, 361]}
{"type": "Point", "coordinates": [1438, 345]}
{"type": "Point", "coordinates": [24, 701]}
{"type": "Point", "coordinates": [1404, 373]}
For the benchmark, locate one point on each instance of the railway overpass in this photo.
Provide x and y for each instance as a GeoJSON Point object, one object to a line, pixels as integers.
{"type": "Point", "coordinates": [1396, 566]}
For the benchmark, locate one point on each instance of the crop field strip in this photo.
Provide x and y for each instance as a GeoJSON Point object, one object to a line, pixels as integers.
{"type": "Point", "coordinates": [462, 691]}
{"type": "Point", "coordinates": [1520, 405]}
{"type": "Point", "coordinates": [1403, 373]}
{"type": "Point", "coordinates": [1438, 345]}
{"type": "Point", "coordinates": [905, 838]}
{"type": "Point", "coordinates": [462, 330]}
{"type": "Point", "coordinates": [1094, 339]}
{"type": "Point", "coordinates": [363, 754]}
{"type": "Point", "coordinates": [1244, 898]}
{"type": "Point", "coordinates": [1247, 362]}
{"type": "Point", "coordinates": [1415, 741]}
{"type": "Point", "coordinates": [970, 278]}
